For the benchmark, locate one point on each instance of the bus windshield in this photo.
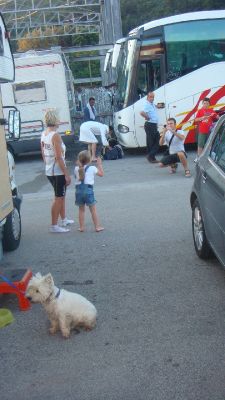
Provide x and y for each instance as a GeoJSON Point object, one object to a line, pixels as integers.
{"type": "Point", "coordinates": [193, 44]}
{"type": "Point", "coordinates": [124, 72]}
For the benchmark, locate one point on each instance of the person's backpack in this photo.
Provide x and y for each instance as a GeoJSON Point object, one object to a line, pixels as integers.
{"type": "Point", "coordinates": [115, 153]}
{"type": "Point", "coordinates": [111, 154]}
{"type": "Point", "coordinates": [119, 150]}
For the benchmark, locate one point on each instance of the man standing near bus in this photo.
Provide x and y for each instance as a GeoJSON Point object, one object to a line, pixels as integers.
{"type": "Point", "coordinates": [90, 110]}
{"type": "Point", "coordinates": [151, 127]}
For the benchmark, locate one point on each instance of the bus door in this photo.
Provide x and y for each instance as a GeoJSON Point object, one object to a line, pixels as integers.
{"type": "Point", "coordinates": [150, 78]}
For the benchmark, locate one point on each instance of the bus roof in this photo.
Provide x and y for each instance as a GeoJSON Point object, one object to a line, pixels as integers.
{"type": "Point", "coordinates": [192, 16]}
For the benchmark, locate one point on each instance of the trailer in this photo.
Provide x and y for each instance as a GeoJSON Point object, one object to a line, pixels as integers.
{"type": "Point", "coordinates": [10, 199]}
{"type": "Point", "coordinates": [43, 80]}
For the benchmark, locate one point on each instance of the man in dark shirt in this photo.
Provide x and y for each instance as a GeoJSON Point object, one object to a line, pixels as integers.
{"type": "Point", "coordinates": [90, 110]}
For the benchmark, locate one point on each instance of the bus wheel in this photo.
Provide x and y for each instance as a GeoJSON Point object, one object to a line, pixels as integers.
{"type": "Point", "coordinates": [201, 244]}
{"type": "Point", "coordinates": [12, 230]}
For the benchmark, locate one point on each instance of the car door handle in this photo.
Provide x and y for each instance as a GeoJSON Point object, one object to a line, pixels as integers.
{"type": "Point", "coordinates": [204, 177]}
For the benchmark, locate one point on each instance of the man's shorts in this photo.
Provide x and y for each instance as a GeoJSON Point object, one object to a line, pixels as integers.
{"type": "Point", "coordinates": [202, 139]}
{"type": "Point", "coordinates": [84, 195]}
{"type": "Point", "coordinates": [59, 184]}
{"type": "Point", "coordinates": [170, 159]}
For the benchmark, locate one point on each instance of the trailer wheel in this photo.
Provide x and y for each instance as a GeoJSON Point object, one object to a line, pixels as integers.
{"type": "Point", "coordinates": [12, 230]}
{"type": "Point", "coordinates": [10, 149]}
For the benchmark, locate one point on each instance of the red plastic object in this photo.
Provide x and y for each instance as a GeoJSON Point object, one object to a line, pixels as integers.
{"type": "Point", "coordinates": [20, 279]}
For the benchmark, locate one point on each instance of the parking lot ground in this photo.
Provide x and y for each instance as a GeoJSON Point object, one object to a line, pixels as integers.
{"type": "Point", "coordinates": [160, 328]}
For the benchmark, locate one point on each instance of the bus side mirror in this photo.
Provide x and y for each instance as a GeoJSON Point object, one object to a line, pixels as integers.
{"type": "Point", "coordinates": [160, 105]}
{"type": "Point", "coordinates": [14, 124]}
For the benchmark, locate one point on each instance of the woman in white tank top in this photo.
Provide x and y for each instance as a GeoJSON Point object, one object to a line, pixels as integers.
{"type": "Point", "coordinates": [53, 153]}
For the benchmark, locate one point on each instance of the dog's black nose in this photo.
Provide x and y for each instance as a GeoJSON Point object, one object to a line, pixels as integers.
{"type": "Point", "coordinates": [29, 298]}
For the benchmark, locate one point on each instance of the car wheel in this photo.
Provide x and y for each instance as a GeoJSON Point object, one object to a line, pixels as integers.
{"type": "Point", "coordinates": [201, 244]}
{"type": "Point", "coordinates": [12, 231]}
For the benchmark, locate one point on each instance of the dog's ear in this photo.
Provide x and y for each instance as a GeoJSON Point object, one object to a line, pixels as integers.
{"type": "Point", "coordinates": [38, 275]}
{"type": "Point", "coordinates": [48, 279]}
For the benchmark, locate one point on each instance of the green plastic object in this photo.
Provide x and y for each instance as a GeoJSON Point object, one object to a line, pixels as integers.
{"type": "Point", "coordinates": [6, 317]}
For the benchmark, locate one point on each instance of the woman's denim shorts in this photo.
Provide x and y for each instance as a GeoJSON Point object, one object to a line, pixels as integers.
{"type": "Point", "coordinates": [84, 195]}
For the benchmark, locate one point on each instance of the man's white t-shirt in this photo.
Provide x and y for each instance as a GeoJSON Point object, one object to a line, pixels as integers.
{"type": "Point", "coordinates": [177, 144]}
{"type": "Point", "coordinates": [89, 175]}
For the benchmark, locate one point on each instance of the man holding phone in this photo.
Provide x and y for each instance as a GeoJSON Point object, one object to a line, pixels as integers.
{"type": "Point", "coordinates": [174, 139]}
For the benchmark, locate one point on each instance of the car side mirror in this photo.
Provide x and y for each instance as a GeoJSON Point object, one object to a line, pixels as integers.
{"type": "Point", "coordinates": [14, 124]}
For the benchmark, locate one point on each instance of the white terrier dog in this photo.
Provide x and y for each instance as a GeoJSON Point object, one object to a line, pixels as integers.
{"type": "Point", "coordinates": [65, 310]}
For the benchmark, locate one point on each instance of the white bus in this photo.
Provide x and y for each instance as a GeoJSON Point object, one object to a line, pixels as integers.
{"type": "Point", "coordinates": [182, 59]}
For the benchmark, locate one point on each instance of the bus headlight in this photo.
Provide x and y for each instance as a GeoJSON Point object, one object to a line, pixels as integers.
{"type": "Point", "coordinates": [123, 128]}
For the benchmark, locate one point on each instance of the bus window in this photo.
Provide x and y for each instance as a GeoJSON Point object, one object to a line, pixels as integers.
{"type": "Point", "coordinates": [142, 84]}
{"type": "Point", "coordinates": [149, 70]}
{"type": "Point", "coordinates": [193, 44]}
{"type": "Point", "coordinates": [149, 76]}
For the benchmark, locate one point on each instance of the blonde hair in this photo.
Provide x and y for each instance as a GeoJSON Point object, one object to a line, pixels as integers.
{"type": "Point", "coordinates": [84, 158]}
{"type": "Point", "coordinates": [51, 118]}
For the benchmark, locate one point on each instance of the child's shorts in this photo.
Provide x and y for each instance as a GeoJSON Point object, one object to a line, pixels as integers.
{"type": "Point", "coordinates": [84, 195]}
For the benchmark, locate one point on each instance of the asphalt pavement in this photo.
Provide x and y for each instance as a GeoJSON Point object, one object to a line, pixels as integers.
{"type": "Point", "coordinates": [160, 332]}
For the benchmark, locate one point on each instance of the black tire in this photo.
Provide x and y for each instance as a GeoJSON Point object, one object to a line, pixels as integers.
{"type": "Point", "coordinates": [201, 244]}
{"type": "Point", "coordinates": [12, 230]}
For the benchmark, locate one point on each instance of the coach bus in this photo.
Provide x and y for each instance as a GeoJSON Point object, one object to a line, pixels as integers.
{"type": "Point", "coordinates": [182, 59]}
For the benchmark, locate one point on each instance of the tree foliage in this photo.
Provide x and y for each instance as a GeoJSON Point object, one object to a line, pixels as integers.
{"type": "Point", "coordinates": [135, 13]}
{"type": "Point", "coordinates": [36, 41]}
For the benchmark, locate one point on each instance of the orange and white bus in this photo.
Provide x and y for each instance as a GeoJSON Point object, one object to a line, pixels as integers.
{"type": "Point", "coordinates": [182, 59]}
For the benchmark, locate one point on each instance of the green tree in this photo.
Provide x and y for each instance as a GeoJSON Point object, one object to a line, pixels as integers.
{"type": "Point", "coordinates": [135, 13]}
{"type": "Point", "coordinates": [37, 42]}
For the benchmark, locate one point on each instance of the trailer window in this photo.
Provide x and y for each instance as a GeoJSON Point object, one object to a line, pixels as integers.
{"type": "Point", "coordinates": [29, 92]}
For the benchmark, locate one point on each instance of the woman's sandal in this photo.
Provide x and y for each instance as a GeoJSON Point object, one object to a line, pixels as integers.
{"type": "Point", "coordinates": [187, 173]}
{"type": "Point", "coordinates": [99, 229]}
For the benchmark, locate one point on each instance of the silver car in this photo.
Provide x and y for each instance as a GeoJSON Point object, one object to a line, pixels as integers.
{"type": "Point", "coordinates": [208, 197]}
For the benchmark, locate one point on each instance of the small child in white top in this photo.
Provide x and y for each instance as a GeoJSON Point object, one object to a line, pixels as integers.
{"type": "Point", "coordinates": [84, 194]}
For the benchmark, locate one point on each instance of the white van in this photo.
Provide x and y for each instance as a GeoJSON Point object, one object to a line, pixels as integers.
{"type": "Point", "coordinates": [43, 80]}
{"type": "Point", "coordinates": [10, 200]}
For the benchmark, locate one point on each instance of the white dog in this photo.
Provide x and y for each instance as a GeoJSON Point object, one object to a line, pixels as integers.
{"type": "Point", "coordinates": [65, 310]}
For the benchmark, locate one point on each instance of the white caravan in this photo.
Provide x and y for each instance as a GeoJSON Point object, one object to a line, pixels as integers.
{"type": "Point", "coordinates": [43, 80]}
{"type": "Point", "coordinates": [182, 59]}
{"type": "Point", "coordinates": [10, 222]}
